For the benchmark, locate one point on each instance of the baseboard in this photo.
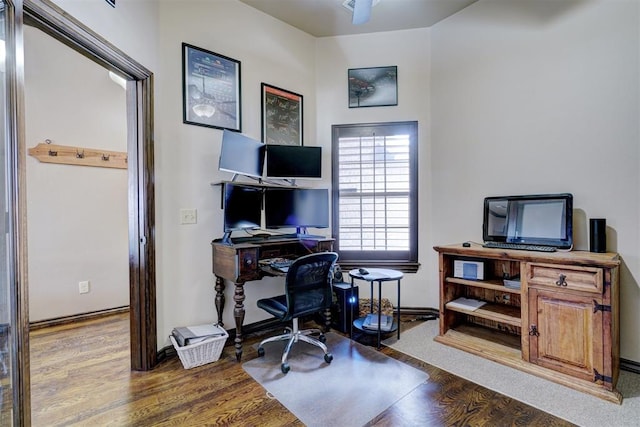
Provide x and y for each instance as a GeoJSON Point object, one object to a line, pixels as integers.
{"type": "Point", "coordinates": [419, 310]}
{"type": "Point", "coordinates": [630, 366]}
{"type": "Point", "coordinates": [77, 317]}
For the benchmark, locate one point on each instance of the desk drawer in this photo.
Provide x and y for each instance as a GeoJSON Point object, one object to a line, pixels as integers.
{"type": "Point", "coordinates": [247, 262]}
{"type": "Point", "coordinates": [586, 279]}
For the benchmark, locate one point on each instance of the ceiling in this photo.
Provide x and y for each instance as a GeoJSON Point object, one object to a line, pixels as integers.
{"type": "Point", "coordinates": [325, 18]}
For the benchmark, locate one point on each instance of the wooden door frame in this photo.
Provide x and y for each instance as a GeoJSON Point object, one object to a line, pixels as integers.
{"type": "Point", "coordinates": [55, 22]}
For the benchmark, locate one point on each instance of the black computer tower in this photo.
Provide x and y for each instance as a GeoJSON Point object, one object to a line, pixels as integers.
{"type": "Point", "coordinates": [344, 299]}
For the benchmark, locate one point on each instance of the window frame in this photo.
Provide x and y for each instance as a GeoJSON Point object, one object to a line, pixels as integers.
{"type": "Point", "coordinates": [406, 261]}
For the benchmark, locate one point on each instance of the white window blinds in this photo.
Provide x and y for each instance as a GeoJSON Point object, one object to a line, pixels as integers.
{"type": "Point", "coordinates": [374, 192]}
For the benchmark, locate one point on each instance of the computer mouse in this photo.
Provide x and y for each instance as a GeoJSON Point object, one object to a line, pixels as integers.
{"type": "Point", "coordinates": [363, 271]}
{"type": "Point", "coordinates": [466, 244]}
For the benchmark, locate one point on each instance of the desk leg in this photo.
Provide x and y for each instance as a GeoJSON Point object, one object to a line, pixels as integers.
{"type": "Point", "coordinates": [238, 314]}
{"type": "Point", "coordinates": [219, 298]}
{"type": "Point", "coordinates": [327, 320]}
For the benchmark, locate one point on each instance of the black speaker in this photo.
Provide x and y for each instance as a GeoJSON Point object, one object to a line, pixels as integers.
{"type": "Point", "coordinates": [597, 235]}
{"type": "Point", "coordinates": [344, 299]}
{"type": "Point", "coordinates": [337, 273]}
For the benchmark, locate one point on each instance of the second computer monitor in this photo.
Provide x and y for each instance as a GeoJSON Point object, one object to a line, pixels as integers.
{"type": "Point", "coordinates": [296, 208]}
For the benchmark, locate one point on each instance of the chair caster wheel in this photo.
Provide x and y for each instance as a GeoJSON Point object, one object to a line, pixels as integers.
{"type": "Point", "coordinates": [328, 357]}
{"type": "Point", "coordinates": [322, 338]}
{"type": "Point", "coordinates": [285, 368]}
{"type": "Point", "coordinates": [260, 351]}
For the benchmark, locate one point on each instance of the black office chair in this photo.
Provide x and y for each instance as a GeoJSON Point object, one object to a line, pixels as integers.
{"type": "Point", "coordinates": [307, 291]}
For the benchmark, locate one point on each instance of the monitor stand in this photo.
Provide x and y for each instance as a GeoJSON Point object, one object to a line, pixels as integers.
{"type": "Point", "coordinates": [226, 239]}
{"type": "Point", "coordinates": [236, 175]}
{"type": "Point", "coordinates": [301, 233]}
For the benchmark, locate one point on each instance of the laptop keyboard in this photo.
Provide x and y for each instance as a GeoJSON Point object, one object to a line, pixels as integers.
{"type": "Point", "coordinates": [519, 247]}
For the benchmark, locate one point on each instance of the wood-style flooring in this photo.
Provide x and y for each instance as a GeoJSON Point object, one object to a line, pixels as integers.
{"type": "Point", "coordinates": [80, 376]}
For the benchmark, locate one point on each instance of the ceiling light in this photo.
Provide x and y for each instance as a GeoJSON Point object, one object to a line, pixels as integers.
{"type": "Point", "coordinates": [361, 10]}
{"type": "Point", "coordinates": [350, 4]}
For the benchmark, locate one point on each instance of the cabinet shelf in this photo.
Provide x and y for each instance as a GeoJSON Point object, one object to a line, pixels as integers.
{"type": "Point", "coordinates": [497, 312]}
{"type": "Point", "coordinates": [495, 285]}
{"type": "Point", "coordinates": [561, 325]}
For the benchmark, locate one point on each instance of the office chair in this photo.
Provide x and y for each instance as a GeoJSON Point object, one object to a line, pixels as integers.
{"type": "Point", "coordinates": [307, 291]}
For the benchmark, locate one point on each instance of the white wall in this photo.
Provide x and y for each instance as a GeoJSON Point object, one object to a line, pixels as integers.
{"type": "Point", "coordinates": [187, 155]}
{"type": "Point", "coordinates": [410, 50]}
{"type": "Point", "coordinates": [76, 215]}
{"type": "Point", "coordinates": [541, 97]}
{"type": "Point", "coordinates": [131, 26]}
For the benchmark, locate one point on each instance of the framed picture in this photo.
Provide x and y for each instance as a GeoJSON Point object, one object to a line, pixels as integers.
{"type": "Point", "coordinates": [373, 87]}
{"type": "Point", "coordinates": [281, 116]}
{"type": "Point", "coordinates": [210, 89]}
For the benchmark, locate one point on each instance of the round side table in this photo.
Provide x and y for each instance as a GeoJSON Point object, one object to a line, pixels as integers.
{"type": "Point", "coordinates": [378, 275]}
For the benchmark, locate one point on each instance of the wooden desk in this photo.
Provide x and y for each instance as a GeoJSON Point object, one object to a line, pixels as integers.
{"type": "Point", "coordinates": [239, 263]}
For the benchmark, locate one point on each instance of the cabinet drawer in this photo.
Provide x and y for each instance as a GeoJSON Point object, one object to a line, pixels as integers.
{"type": "Point", "coordinates": [587, 279]}
{"type": "Point", "coordinates": [247, 262]}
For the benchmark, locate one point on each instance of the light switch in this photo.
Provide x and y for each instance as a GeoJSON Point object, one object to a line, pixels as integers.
{"type": "Point", "coordinates": [188, 216]}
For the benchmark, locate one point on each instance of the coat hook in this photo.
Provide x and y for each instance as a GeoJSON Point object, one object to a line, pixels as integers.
{"type": "Point", "coordinates": [105, 157]}
{"type": "Point", "coordinates": [53, 153]}
{"type": "Point", "coordinates": [80, 155]}
{"type": "Point", "coordinates": [48, 141]}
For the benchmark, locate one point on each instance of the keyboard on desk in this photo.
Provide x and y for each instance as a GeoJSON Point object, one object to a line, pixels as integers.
{"type": "Point", "coordinates": [518, 246]}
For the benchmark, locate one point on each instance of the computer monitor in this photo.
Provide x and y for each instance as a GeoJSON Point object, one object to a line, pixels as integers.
{"type": "Point", "coordinates": [296, 207]}
{"type": "Point", "coordinates": [541, 220]}
{"type": "Point", "coordinates": [241, 155]}
{"type": "Point", "coordinates": [293, 161]}
{"type": "Point", "coordinates": [242, 207]}
{"type": "Point", "coordinates": [544, 219]}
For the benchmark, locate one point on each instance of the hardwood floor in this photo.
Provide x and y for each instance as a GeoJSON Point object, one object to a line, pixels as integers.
{"type": "Point", "coordinates": [80, 376]}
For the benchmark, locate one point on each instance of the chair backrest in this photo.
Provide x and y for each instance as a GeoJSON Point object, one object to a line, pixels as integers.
{"type": "Point", "coordinates": [308, 284]}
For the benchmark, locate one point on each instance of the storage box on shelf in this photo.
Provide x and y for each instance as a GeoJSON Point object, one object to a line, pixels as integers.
{"type": "Point", "coordinates": [561, 324]}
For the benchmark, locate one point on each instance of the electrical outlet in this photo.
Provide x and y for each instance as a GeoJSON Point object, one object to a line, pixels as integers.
{"type": "Point", "coordinates": [83, 287]}
{"type": "Point", "coordinates": [188, 216]}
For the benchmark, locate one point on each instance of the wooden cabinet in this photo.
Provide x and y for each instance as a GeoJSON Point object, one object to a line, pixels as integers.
{"type": "Point", "coordinates": [561, 324]}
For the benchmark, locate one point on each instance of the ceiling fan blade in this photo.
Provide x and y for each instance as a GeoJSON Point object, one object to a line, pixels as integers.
{"type": "Point", "coordinates": [361, 11]}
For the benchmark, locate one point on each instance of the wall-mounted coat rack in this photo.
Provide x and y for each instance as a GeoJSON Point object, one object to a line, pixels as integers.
{"type": "Point", "coordinates": [62, 154]}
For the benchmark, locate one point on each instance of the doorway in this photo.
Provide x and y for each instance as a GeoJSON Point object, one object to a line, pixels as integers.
{"type": "Point", "coordinates": [139, 98]}
{"type": "Point", "coordinates": [77, 202]}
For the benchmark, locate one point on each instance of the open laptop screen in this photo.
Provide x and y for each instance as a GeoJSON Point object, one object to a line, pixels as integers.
{"type": "Point", "coordinates": [545, 220]}
{"type": "Point", "coordinates": [494, 227]}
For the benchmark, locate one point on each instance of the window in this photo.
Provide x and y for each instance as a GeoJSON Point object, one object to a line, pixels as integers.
{"type": "Point", "coordinates": [374, 189]}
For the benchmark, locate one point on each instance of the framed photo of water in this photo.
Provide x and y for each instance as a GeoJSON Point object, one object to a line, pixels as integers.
{"type": "Point", "coordinates": [373, 87]}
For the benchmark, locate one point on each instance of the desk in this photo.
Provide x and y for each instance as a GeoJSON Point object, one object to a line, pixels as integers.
{"type": "Point", "coordinates": [378, 275]}
{"type": "Point", "coordinates": [239, 263]}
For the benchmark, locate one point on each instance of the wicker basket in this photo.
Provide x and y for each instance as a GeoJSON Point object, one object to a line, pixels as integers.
{"type": "Point", "coordinates": [201, 353]}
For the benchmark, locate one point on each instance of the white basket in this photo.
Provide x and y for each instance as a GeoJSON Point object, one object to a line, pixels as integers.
{"type": "Point", "coordinates": [201, 353]}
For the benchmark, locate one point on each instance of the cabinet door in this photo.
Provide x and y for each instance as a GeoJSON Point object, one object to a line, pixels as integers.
{"type": "Point", "coordinates": [566, 332]}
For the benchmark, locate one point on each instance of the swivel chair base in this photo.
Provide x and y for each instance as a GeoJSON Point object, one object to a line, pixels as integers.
{"type": "Point", "coordinates": [293, 336]}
